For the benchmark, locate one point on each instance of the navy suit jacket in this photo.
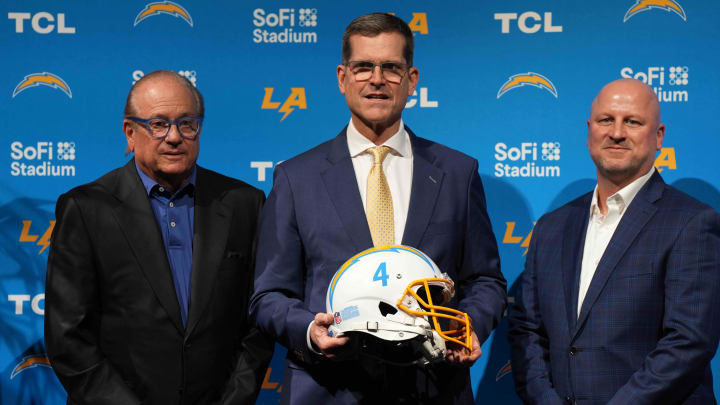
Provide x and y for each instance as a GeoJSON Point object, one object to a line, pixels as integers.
{"type": "Point", "coordinates": [649, 324]}
{"type": "Point", "coordinates": [314, 221]}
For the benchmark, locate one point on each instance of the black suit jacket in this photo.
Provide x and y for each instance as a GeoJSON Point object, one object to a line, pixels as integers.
{"type": "Point", "coordinates": [112, 323]}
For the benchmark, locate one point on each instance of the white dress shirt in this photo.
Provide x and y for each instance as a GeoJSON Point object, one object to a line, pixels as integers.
{"type": "Point", "coordinates": [397, 168]}
{"type": "Point", "coordinates": [601, 228]}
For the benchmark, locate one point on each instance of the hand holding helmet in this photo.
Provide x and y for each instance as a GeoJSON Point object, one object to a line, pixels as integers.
{"type": "Point", "coordinates": [328, 345]}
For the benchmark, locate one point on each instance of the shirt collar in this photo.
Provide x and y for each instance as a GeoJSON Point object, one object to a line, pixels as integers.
{"type": "Point", "coordinates": [625, 195]}
{"type": "Point", "coordinates": [399, 143]}
{"type": "Point", "coordinates": [149, 183]}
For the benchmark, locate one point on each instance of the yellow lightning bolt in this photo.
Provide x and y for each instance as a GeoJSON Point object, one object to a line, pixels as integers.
{"type": "Point", "coordinates": [530, 79]}
{"type": "Point", "coordinates": [285, 109]}
{"type": "Point", "coordinates": [644, 5]}
{"type": "Point", "coordinates": [33, 79]}
{"type": "Point", "coordinates": [30, 361]}
{"type": "Point", "coordinates": [504, 370]}
{"type": "Point", "coordinates": [45, 239]}
{"type": "Point", "coordinates": [526, 242]}
{"type": "Point", "coordinates": [167, 7]}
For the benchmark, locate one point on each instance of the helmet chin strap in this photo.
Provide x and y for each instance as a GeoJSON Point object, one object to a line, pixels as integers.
{"type": "Point", "coordinates": [433, 348]}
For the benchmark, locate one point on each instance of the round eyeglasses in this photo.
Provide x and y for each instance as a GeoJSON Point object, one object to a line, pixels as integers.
{"type": "Point", "coordinates": [159, 128]}
{"type": "Point", "coordinates": [363, 70]}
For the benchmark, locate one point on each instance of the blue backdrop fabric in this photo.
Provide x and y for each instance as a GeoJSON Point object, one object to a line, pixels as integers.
{"type": "Point", "coordinates": [507, 82]}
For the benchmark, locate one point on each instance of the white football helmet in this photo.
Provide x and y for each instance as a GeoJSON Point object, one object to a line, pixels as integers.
{"type": "Point", "coordinates": [394, 296]}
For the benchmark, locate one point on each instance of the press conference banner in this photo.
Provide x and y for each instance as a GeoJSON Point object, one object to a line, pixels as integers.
{"type": "Point", "coordinates": [507, 82]}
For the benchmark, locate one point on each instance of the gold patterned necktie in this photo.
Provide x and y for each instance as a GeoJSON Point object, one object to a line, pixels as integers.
{"type": "Point", "coordinates": [379, 204]}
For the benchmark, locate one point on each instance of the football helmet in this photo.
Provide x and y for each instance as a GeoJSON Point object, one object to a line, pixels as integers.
{"type": "Point", "coordinates": [389, 299]}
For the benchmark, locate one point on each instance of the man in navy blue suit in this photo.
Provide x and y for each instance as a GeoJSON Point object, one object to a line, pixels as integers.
{"type": "Point", "coordinates": [315, 219]}
{"type": "Point", "coordinates": [619, 299]}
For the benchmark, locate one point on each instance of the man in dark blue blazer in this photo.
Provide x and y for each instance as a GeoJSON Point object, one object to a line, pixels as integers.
{"type": "Point", "coordinates": [314, 220]}
{"type": "Point", "coordinates": [619, 299]}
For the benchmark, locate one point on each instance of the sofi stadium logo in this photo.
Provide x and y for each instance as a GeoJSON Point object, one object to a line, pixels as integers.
{"type": "Point", "coordinates": [42, 159]}
{"type": "Point", "coordinates": [675, 77]}
{"type": "Point", "coordinates": [529, 159]}
{"type": "Point", "coordinates": [42, 79]}
{"type": "Point", "coordinates": [285, 25]}
{"type": "Point", "coordinates": [527, 79]}
{"type": "Point", "coordinates": [670, 6]}
{"type": "Point", "coordinates": [163, 8]}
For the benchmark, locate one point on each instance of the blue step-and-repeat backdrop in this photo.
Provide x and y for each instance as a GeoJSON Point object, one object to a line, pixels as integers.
{"type": "Point", "coordinates": [508, 82]}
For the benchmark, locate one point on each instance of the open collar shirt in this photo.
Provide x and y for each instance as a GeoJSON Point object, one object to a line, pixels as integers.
{"type": "Point", "coordinates": [174, 215]}
{"type": "Point", "coordinates": [601, 229]}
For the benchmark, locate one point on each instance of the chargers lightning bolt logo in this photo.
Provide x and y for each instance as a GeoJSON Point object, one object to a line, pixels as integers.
{"type": "Point", "coordinates": [45, 79]}
{"type": "Point", "coordinates": [504, 370]}
{"type": "Point", "coordinates": [645, 5]}
{"type": "Point", "coordinates": [28, 362]}
{"type": "Point", "coordinates": [522, 79]}
{"type": "Point", "coordinates": [164, 7]}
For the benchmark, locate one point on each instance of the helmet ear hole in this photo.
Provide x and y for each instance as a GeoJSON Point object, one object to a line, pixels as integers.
{"type": "Point", "coordinates": [386, 309]}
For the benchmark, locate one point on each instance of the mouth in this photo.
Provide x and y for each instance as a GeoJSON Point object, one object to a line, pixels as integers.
{"type": "Point", "coordinates": [173, 154]}
{"type": "Point", "coordinates": [377, 96]}
{"type": "Point", "coordinates": [616, 148]}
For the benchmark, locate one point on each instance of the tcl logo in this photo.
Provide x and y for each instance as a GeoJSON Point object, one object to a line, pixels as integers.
{"type": "Point", "coordinates": [528, 22]}
{"type": "Point", "coordinates": [41, 22]}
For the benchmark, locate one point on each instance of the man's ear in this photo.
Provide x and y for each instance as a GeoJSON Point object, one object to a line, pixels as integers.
{"type": "Point", "coordinates": [413, 77]}
{"type": "Point", "coordinates": [341, 78]}
{"type": "Point", "coordinates": [129, 130]}
{"type": "Point", "coordinates": [660, 136]}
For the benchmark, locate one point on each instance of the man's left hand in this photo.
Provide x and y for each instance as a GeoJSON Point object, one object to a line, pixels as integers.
{"type": "Point", "coordinates": [460, 355]}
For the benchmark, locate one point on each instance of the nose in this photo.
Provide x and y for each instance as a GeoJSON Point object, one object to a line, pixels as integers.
{"type": "Point", "coordinates": [173, 136]}
{"type": "Point", "coordinates": [618, 130]}
{"type": "Point", "coordinates": [377, 77]}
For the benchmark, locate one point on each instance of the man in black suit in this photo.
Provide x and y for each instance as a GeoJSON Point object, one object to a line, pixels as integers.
{"type": "Point", "coordinates": [150, 269]}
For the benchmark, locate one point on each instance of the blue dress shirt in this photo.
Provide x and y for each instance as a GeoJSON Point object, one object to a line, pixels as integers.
{"type": "Point", "coordinates": [174, 215]}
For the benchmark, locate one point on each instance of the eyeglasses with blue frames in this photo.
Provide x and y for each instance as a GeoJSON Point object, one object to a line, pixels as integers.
{"type": "Point", "coordinates": [159, 128]}
{"type": "Point", "coordinates": [363, 70]}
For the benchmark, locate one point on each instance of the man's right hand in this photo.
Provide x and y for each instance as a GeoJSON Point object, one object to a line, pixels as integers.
{"type": "Point", "coordinates": [327, 345]}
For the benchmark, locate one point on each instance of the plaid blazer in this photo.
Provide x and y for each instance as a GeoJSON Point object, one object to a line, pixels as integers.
{"type": "Point", "coordinates": [650, 321]}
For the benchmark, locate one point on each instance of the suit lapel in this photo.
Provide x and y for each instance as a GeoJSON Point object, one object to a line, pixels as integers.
{"type": "Point", "coordinates": [137, 222]}
{"type": "Point", "coordinates": [210, 231]}
{"type": "Point", "coordinates": [572, 253]}
{"type": "Point", "coordinates": [633, 221]}
{"type": "Point", "coordinates": [342, 189]}
{"type": "Point", "coordinates": [426, 182]}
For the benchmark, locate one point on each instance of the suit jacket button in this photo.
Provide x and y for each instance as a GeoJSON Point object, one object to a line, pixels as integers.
{"type": "Point", "coordinates": [569, 400]}
{"type": "Point", "coordinates": [573, 351]}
